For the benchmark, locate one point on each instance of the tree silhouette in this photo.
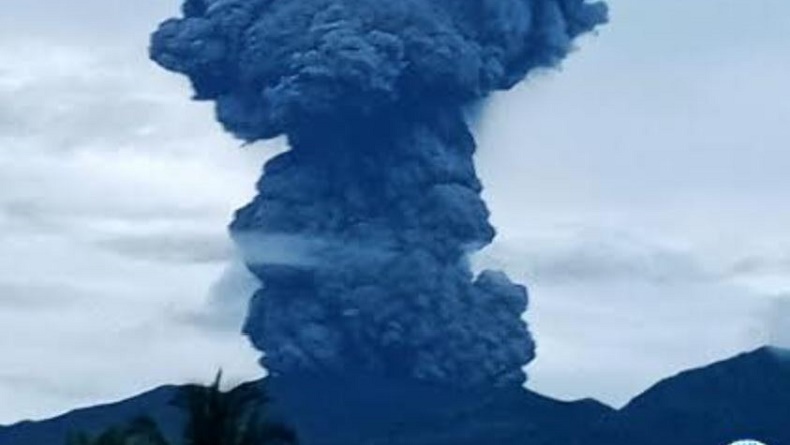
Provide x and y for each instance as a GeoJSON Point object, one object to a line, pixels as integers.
{"type": "Point", "coordinates": [213, 417]}
{"type": "Point", "coordinates": [235, 417]}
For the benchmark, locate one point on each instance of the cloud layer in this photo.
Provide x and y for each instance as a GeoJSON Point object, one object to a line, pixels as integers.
{"type": "Point", "coordinates": [92, 282]}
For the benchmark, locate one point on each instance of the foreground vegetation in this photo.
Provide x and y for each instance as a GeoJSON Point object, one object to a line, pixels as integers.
{"type": "Point", "coordinates": [213, 417]}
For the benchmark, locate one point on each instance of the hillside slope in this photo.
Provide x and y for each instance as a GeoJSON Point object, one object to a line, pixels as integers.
{"type": "Point", "coordinates": [747, 396]}
{"type": "Point", "coordinates": [154, 403]}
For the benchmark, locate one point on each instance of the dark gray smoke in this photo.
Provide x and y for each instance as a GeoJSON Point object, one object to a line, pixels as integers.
{"type": "Point", "coordinates": [376, 207]}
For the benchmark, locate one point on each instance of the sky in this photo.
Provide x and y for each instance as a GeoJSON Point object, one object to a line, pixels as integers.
{"type": "Point", "coordinates": [639, 191]}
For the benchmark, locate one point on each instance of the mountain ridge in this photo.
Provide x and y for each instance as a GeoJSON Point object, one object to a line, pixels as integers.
{"type": "Point", "coordinates": [746, 396]}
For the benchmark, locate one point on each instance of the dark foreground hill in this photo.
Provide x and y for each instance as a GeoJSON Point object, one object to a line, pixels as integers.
{"type": "Point", "coordinates": [337, 417]}
{"type": "Point", "coordinates": [154, 403]}
{"type": "Point", "coordinates": [747, 396]}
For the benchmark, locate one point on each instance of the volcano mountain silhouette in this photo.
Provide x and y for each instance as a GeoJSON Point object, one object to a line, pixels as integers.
{"type": "Point", "coordinates": [747, 396]}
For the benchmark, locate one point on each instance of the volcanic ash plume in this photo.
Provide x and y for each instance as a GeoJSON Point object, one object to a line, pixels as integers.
{"type": "Point", "coordinates": [377, 204]}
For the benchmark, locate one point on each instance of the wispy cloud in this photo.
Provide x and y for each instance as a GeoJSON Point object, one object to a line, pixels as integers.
{"type": "Point", "coordinates": [22, 297]}
{"type": "Point", "coordinates": [779, 321]}
{"type": "Point", "coordinates": [172, 247]}
{"type": "Point", "coordinates": [582, 255]}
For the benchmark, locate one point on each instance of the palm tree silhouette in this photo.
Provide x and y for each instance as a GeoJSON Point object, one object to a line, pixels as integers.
{"type": "Point", "coordinates": [235, 417]}
{"type": "Point", "coordinates": [213, 417]}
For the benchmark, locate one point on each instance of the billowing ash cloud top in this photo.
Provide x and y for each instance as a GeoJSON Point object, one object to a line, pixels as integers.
{"type": "Point", "coordinates": [377, 202]}
{"type": "Point", "coordinates": [273, 65]}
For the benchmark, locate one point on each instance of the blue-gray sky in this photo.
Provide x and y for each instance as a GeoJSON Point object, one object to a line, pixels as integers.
{"type": "Point", "coordinates": [639, 192]}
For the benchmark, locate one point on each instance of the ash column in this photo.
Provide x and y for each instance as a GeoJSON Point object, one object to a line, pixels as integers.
{"type": "Point", "coordinates": [379, 217]}
{"type": "Point", "coordinates": [360, 233]}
